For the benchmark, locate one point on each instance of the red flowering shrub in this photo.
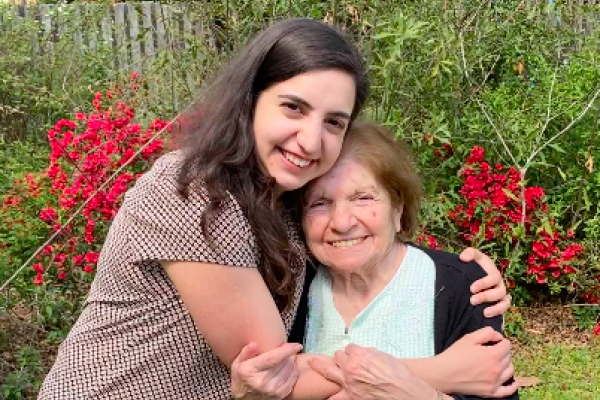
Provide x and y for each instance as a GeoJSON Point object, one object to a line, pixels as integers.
{"type": "Point", "coordinates": [426, 240]}
{"type": "Point", "coordinates": [85, 179]}
{"type": "Point", "coordinates": [510, 220]}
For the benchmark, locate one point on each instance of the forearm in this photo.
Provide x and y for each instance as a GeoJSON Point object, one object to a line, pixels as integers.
{"type": "Point", "coordinates": [311, 385]}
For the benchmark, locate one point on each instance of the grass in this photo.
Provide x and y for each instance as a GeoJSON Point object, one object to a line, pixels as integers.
{"type": "Point", "coordinates": [567, 372]}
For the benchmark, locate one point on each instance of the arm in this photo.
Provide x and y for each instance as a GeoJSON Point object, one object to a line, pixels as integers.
{"type": "Point", "coordinates": [232, 307]}
{"type": "Point", "coordinates": [368, 374]}
{"type": "Point", "coordinates": [471, 365]}
{"type": "Point", "coordinates": [476, 360]}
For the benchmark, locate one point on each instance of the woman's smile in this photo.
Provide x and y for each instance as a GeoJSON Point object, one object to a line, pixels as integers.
{"type": "Point", "coordinates": [348, 243]}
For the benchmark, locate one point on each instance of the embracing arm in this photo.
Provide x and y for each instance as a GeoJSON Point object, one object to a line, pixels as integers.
{"type": "Point", "coordinates": [232, 307]}
{"type": "Point", "coordinates": [469, 344]}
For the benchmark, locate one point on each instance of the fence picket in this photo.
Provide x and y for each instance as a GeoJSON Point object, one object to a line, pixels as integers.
{"type": "Point", "coordinates": [134, 38]}
{"type": "Point", "coordinates": [148, 29]}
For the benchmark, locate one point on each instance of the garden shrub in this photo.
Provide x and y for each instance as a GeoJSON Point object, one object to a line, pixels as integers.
{"type": "Point", "coordinates": [92, 162]}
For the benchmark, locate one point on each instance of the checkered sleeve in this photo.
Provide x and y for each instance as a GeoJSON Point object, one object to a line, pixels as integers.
{"type": "Point", "coordinates": [164, 225]}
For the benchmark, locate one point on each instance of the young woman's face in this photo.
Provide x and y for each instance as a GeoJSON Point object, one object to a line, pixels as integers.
{"type": "Point", "coordinates": [349, 220]}
{"type": "Point", "coordinates": [300, 123]}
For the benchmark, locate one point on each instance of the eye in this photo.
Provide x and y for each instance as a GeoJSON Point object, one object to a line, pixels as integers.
{"type": "Point", "coordinates": [336, 123]}
{"type": "Point", "coordinates": [364, 197]}
{"type": "Point", "coordinates": [292, 107]}
{"type": "Point", "coordinates": [318, 203]}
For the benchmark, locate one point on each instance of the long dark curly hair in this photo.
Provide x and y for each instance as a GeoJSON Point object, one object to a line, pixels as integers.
{"type": "Point", "coordinates": [218, 139]}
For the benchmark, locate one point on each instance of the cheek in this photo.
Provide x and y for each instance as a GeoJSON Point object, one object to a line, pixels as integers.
{"type": "Point", "coordinates": [314, 229]}
{"type": "Point", "coordinates": [332, 148]}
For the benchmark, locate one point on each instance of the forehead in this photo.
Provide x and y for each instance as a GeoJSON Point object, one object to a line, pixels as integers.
{"type": "Point", "coordinates": [347, 175]}
{"type": "Point", "coordinates": [328, 88]}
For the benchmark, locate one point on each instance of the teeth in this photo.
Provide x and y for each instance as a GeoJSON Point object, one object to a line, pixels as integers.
{"type": "Point", "coordinates": [347, 243]}
{"type": "Point", "coordinates": [297, 161]}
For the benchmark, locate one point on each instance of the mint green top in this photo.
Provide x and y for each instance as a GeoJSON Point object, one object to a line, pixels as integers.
{"type": "Point", "coordinates": [399, 321]}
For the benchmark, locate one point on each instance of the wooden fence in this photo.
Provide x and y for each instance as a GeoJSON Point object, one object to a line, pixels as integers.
{"type": "Point", "coordinates": [134, 31]}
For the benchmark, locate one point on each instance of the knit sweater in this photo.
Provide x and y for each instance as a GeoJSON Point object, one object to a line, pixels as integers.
{"type": "Point", "coordinates": [398, 321]}
{"type": "Point", "coordinates": [454, 316]}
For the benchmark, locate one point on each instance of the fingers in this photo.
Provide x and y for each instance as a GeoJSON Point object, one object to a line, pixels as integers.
{"type": "Point", "coordinates": [485, 335]}
{"type": "Point", "coordinates": [340, 357]}
{"type": "Point", "coordinates": [505, 391]}
{"type": "Point", "coordinates": [282, 380]}
{"type": "Point", "coordinates": [489, 295]}
{"type": "Point", "coordinates": [468, 254]}
{"type": "Point", "coordinates": [508, 373]}
{"type": "Point", "coordinates": [493, 279]}
{"type": "Point", "coordinates": [328, 372]}
{"type": "Point", "coordinates": [274, 357]}
{"type": "Point", "coordinates": [499, 308]}
{"type": "Point", "coordinates": [485, 262]}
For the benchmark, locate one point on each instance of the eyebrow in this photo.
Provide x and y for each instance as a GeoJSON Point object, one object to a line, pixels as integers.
{"type": "Point", "coordinates": [341, 114]}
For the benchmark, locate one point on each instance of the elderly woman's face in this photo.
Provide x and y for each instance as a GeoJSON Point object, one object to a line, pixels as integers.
{"type": "Point", "coordinates": [349, 220]}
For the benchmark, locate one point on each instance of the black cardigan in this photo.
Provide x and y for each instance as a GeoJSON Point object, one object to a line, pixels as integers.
{"type": "Point", "coordinates": [454, 316]}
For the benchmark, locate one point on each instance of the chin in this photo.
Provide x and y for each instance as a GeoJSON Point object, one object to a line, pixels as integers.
{"type": "Point", "coordinates": [287, 185]}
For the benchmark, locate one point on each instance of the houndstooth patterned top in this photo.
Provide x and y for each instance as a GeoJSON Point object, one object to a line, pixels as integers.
{"type": "Point", "coordinates": [134, 338]}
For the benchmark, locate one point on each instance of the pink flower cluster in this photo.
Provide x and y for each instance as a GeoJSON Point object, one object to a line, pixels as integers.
{"type": "Point", "coordinates": [500, 209]}
{"type": "Point", "coordinates": [85, 153]}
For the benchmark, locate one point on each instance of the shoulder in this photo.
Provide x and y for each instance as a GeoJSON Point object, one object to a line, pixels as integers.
{"type": "Point", "coordinates": [160, 181]}
{"type": "Point", "coordinates": [453, 276]}
{"type": "Point", "coordinates": [450, 266]}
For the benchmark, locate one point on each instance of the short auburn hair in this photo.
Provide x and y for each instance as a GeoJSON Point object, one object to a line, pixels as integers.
{"type": "Point", "coordinates": [392, 163]}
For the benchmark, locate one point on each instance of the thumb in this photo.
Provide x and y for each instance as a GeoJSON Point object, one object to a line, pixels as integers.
{"type": "Point", "coordinates": [486, 335]}
{"type": "Point", "coordinates": [249, 351]}
{"type": "Point", "coordinates": [327, 371]}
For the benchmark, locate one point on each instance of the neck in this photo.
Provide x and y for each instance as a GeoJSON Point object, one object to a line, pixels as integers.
{"type": "Point", "coordinates": [364, 284]}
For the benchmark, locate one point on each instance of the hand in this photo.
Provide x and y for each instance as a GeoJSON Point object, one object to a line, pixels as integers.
{"type": "Point", "coordinates": [270, 375]}
{"type": "Point", "coordinates": [489, 289]}
{"type": "Point", "coordinates": [367, 373]}
{"type": "Point", "coordinates": [475, 367]}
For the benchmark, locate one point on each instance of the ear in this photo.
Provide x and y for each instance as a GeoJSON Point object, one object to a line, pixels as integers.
{"type": "Point", "coordinates": [397, 216]}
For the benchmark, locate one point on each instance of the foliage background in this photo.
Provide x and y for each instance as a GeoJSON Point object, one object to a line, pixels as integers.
{"type": "Point", "coordinates": [519, 78]}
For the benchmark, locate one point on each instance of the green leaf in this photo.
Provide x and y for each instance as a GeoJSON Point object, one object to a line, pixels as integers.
{"type": "Point", "coordinates": [511, 195]}
{"type": "Point", "coordinates": [557, 148]}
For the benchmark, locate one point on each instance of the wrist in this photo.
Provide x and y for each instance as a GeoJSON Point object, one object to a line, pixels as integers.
{"type": "Point", "coordinates": [440, 374]}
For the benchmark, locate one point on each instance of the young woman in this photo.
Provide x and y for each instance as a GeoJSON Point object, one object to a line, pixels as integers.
{"type": "Point", "coordinates": [203, 258]}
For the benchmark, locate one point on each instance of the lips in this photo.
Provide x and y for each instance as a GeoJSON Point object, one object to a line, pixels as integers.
{"type": "Point", "coordinates": [347, 242]}
{"type": "Point", "coordinates": [298, 161]}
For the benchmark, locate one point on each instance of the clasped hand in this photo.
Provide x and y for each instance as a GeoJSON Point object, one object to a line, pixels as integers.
{"type": "Point", "coordinates": [271, 375]}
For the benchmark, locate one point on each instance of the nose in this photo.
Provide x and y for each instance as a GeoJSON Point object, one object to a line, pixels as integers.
{"type": "Point", "coordinates": [310, 138]}
{"type": "Point", "coordinates": [342, 218]}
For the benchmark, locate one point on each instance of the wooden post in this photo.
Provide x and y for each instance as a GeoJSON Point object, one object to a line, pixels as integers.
{"type": "Point", "coordinates": [119, 35]}
{"type": "Point", "coordinates": [134, 38]}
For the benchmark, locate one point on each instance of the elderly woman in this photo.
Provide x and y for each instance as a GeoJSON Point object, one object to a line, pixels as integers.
{"type": "Point", "coordinates": [377, 291]}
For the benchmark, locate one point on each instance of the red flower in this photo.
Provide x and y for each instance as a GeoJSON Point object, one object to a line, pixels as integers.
{"type": "Point", "coordinates": [48, 215]}
{"type": "Point", "coordinates": [477, 154]}
{"type": "Point", "coordinates": [39, 279]}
